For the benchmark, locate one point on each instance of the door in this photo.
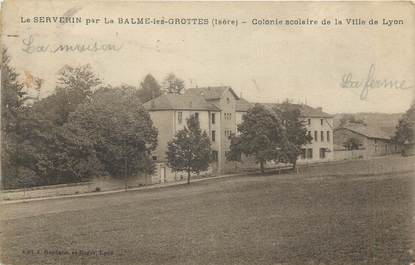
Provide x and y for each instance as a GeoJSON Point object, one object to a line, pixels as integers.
{"type": "Point", "coordinates": [162, 174]}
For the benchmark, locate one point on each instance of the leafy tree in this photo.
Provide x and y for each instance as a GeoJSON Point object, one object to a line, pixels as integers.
{"type": "Point", "coordinates": [262, 135]}
{"type": "Point", "coordinates": [173, 84]}
{"type": "Point", "coordinates": [57, 154]}
{"type": "Point", "coordinates": [121, 131]}
{"type": "Point", "coordinates": [236, 150]}
{"type": "Point", "coordinates": [189, 150]}
{"type": "Point", "coordinates": [352, 143]}
{"type": "Point", "coordinates": [75, 86]}
{"type": "Point", "coordinates": [12, 96]}
{"type": "Point", "coordinates": [405, 129]}
{"type": "Point", "coordinates": [295, 129]}
{"type": "Point", "coordinates": [13, 100]}
{"type": "Point", "coordinates": [38, 147]}
{"type": "Point", "coordinates": [149, 89]}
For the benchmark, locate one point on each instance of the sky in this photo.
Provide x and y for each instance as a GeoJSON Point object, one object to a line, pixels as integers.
{"type": "Point", "coordinates": [267, 63]}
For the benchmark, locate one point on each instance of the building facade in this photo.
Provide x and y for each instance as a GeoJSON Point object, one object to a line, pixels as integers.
{"type": "Point", "coordinates": [218, 109]}
{"type": "Point", "coordinates": [373, 141]}
{"type": "Point", "coordinates": [320, 127]}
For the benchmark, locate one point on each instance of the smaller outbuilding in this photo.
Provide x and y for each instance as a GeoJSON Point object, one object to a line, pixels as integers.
{"type": "Point", "coordinates": [362, 141]}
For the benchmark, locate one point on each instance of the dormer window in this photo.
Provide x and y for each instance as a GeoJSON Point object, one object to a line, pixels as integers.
{"type": "Point", "coordinates": [228, 100]}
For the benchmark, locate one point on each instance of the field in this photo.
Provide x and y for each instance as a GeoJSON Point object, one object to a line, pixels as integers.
{"type": "Point", "coordinates": [356, 212]}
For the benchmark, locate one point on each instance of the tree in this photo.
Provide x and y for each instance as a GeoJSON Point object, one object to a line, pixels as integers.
{"type": "Point", "coordinates": [120, 129]}
{"type": "Point", "coordinates": [57, 154]}
{"type": "Point", "coordinates": [352, 143]}
{"type": "Point", "coordinates": [149, 89]}
{"type": "Point", "coordinates": [295, 129]}
{"type": "Point", "coordinates": [173, 85]}
{"type": "Point", "coordinates": [12, 95]}
{"type": "Point", "coordinates": [405, 129]}
{"type": "Point", "coordinates": [75, 86]}
{"type": "Point", "coordinates": [38, 147]}
{"type": "Point", "coordinates": [262, 135]}
{"type": "Point", "coordinates": [189, 150]}
{"type": "Point", "coordinates": [13, 99]}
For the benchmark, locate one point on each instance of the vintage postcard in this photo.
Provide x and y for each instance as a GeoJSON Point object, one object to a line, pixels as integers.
{"type": "Point", "coordinates": [240, 133]}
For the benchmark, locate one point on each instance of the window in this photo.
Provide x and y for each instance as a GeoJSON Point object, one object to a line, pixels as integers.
{"type": "Point", "coordinates": [228, 100]}
{"type": "Point", "coordinates": [213, 135]}
{"type": "Point", "coordinates": [154, 158]}
{"type": "Point", "coordinates": [309, 133]}
{"type": "Point", "coordinates": [302, 154]}
{"type": "Point", "coordinates": [197, 115]}
{"type": "Point", "coordinates": [228, 116]}
{"type": "Point", "coordinates": [315, 136]}
{"type": "Point", "coordinates": [328, 136]}
{"type": "Point", "coordinates": [180, 117]}
{"type": "Point", "coordinates": [309, 121]}
{"type": "Point", "coordinates": [322, 136]}
{"type": "Point", "coordinates": [322, 153]}
{"type": "Point", "coordinates": [228, 133]}
{"type": "Point", "coordinates": [309, 153]}
{"type": "Point", "coordinates": [321, 121]}
{"type": "Point", "coordinates": [213, 118]}
{"type": "Point", "coordinates": [215, 155]}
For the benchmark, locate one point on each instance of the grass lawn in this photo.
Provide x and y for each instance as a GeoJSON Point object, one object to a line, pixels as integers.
{"type": "Point", "coordinates": [328, 214]}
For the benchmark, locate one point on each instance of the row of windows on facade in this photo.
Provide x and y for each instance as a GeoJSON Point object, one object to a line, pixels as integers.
{"type": "Point", "coordinates": [321, 122]}
{"type": "Point", "coordinates": [228, 133]}
{"type": "Point", "coordinates": [315, 138]}
{"type": "Point", "coordinates": [307, 153]}
{"type": "Point", "coordinates": [228, 116]}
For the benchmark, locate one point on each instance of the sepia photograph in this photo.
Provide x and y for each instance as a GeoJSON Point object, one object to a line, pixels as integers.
{"type": "Point", "coordinates": [209, 132]}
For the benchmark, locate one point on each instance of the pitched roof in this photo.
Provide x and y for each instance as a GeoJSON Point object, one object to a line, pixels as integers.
{"type": "Point", "coordinates": [367, 131]}
{"type": "Point", "coordinates": [179, 102]}
{"type": "Point", "coordinates": [210, 93]}
{"type": "Point", "coordinates": [243, 105]}
{"type": "Point", "coordinates": [306, 110]}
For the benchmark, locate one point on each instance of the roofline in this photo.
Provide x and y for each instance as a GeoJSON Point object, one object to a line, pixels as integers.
{"type": "Point", "coordinates": [207, 87]}
{"type": "Point", "coordinates": [326, 115]}
{"type": "Point", "coordinates": [381, 138]}
{"type": "Point", "coordinates": [158, 109]}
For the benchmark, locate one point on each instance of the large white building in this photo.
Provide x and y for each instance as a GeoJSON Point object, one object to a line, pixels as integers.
{"type": "Point", "coordinates": [219, 111]}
